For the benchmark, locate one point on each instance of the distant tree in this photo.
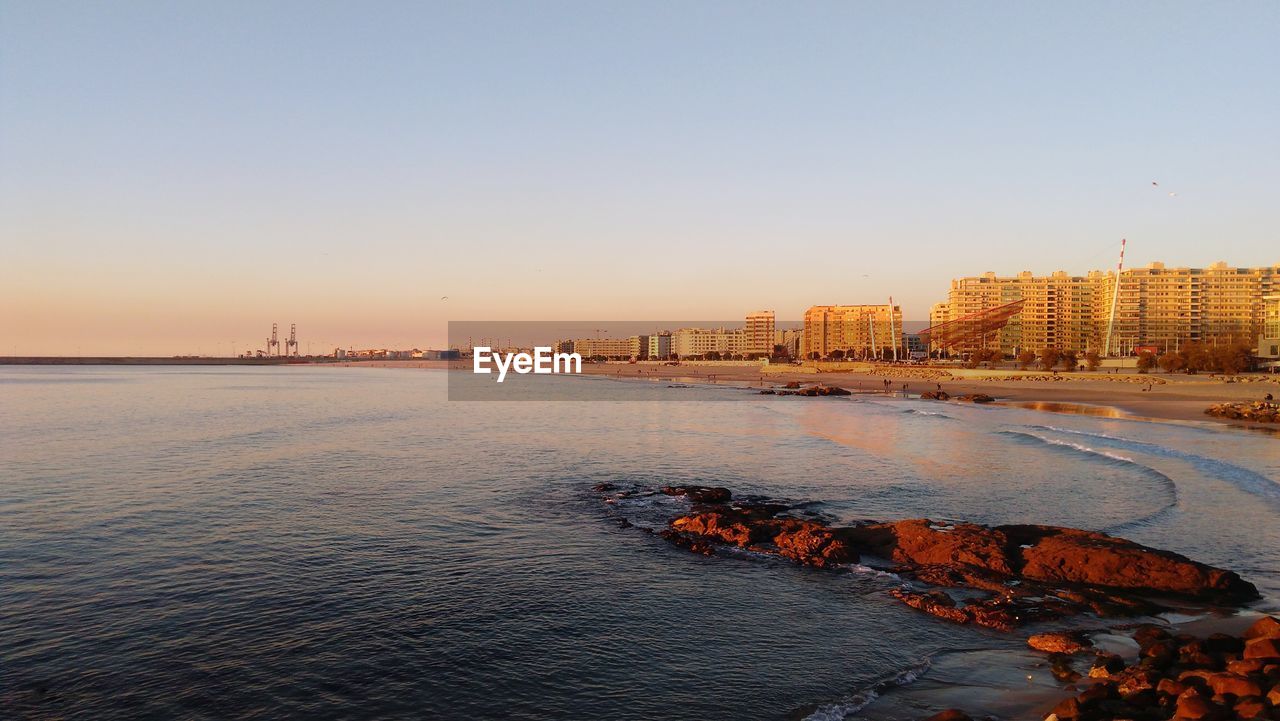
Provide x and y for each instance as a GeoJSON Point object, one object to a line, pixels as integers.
{"type": "Point", "coordinates": [1232, 359]}
{"type": "Point", "coordinates": [814, 355]}
{"type": "Point", "coordinates": [1170, 362]}
{"type": "Point", "coordinates": [1092, 360]}
{"type": "Point", "coordinates": [1026, 358]}
{"type": "Point", "coordinates": [1049, 357]}
{"type": "Point", "coordinates": [837, 355]}
{"type": "Point", "coordinates": [1195, 357]}
{"type": "Point", "coordinates": [1070, 360]}
{"type": "Point", "coordinates": [712, 355]}
{"type": "Point", "coordinates": [1146, 361]}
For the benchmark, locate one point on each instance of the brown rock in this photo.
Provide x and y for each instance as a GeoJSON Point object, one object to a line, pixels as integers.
{"type": "Point", "coordinates": [1059, 642]}
{"type": "Point", "coordinates": [813, 544]}
{"type": "Point", "coordinates": [1246, 666]}
{"type": "Point", "coordinates": [951, 714]}
{"type": "Point", "coordinates": [1262, 648]}
{"type": "Point", "coordinates": [1225, 682]}
{"type": "Point", "coordinates": [1066, 555]}
{"type": "Point", "coordinates": [1265, 627]}
{"type": "Point", "coordinates": [1194, 706]}
{"type": "Point", "coordinates": [1251, 707]}
{"type": "Point", "coordinates": [922, 542]}
{"type": "Point", "coordinates": [727, 526]}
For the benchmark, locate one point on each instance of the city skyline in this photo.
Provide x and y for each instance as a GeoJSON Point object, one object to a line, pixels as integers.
{"type": "Point", "coordinates": [171, 182]}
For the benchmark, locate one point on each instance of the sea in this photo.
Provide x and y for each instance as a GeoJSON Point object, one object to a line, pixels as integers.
{"type": "Point", "coordinates": [347, 543]}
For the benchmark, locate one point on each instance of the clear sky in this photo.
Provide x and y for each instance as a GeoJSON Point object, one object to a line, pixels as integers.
{"type": "Point", "coordinates": [176, 176]}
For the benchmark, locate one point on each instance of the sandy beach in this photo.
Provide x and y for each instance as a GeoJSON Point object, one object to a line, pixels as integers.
{"type": "Point", "coordinates": [1155, 396]}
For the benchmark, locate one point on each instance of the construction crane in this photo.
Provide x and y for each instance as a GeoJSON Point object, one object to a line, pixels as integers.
{"type": "Point", "coordinates": [274, 340]}
{"type": "Point", "coordinates": [291, 345]}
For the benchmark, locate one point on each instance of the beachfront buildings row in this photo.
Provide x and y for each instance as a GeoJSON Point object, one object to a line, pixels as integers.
{"type": "Point", "coordinates": [1157, 308]}
{"type": "Point", "coordinates": [756, 338]}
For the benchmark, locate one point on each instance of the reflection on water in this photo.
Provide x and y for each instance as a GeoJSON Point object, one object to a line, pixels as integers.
{"type": "Point", "coordinates": [330, 542]}
{"type": "Point", "coordinates": [1079, 409]}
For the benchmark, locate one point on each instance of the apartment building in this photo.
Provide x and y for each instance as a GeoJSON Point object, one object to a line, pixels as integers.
{"type": "Point", "coordinates": [613, 348]}
{"type": "Point", "coordinates": [857, 331]}
{"type": "Point", "coordinates": [687, 342]}
{"type": "Point", "coordinates": [760, 332]}
{"type": "Point", "coordinates": [1156, 306]}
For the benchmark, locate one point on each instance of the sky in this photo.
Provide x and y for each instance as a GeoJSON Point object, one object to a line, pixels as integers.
{"type": "Point", "coordinates": [175, 177]}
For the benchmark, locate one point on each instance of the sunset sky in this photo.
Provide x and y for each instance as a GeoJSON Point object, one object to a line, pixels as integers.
{"type": "Point", "coordinates": [174, 177]}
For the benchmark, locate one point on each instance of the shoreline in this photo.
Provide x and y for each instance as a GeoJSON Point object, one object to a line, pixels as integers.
{"type": "Point", "coordinates": [1170, 398]}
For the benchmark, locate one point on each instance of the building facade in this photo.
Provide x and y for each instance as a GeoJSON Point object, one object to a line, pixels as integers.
{"type": "Point", "coordinates": [1156, 306]}
{"type": "Point", "coordinates": [660, 346]}
{"type": "Point", "coordinates": [759, 330]}
{"type": "Point", "coordinates": [611, 348]}
{"type": "Point", "coordinates": [851, 331]}
{"type": "Point", "coordinates": [690, 342]}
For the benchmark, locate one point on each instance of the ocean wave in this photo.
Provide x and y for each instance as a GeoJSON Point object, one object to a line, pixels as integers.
{"type": "Point", "coordinates": [1242, 478]}
{"type": "Point", "coordinates": [861, 698]}
{"type": "Point", "coordinates": [1167, 483]}
{"type": "Point", "coordinates": [933, 414]}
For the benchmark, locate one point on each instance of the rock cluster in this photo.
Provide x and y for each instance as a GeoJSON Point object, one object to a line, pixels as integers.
{"type": "Point", "coordinates": [1181, 676]}
{"type": "Point", "coordinates": [935, 396]}
{"type": "Point", "coordinates": [976, 398]}
{"type": "Point", "coordinates": [811, 391]}
{"type": "Point", "coordinates": [1261, 411]}
{"type": "Point", "coordinates": [1011, 575]}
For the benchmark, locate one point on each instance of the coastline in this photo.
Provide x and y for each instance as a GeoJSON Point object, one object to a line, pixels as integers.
{"type": "Point", "coordinates": [1171, 397]}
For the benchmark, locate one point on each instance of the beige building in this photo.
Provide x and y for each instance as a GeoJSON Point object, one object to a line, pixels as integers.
{"type": "Point", "coordinates": [612, 348]}
{"type": "Point", "coordinates": [857, 331]}
{"type": "Point", "coordinates": [1269, 341]}
{"type": "Point", "coordinates": [688, 342]}
{"type": "Point", "coordinates": [1157, 306]}
{"type": "Point", "coordinates": [760, 332]}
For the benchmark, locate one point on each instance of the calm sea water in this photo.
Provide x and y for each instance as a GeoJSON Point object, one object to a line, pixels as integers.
{"type": "Point", "coordinates": [240, 543]}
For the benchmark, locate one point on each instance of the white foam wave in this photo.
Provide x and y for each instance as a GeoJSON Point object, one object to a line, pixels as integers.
{"type": "Point", "coordinates": [860, 699]}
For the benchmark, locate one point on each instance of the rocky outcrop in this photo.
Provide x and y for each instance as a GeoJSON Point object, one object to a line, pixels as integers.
{"type": "Point", "coordinates": [699, 494]}
{"type": "Point", "coordinates": [794, 389]}
{"type": "Point", "coordinates": [1185, 677]}
{"type": "Point", "coordinates": [1010, 575]}
{"type": "Point", "coordinates": [935, 396]}
{"type": "Point", "coordinates": [1261, 411]}
{"type": "Point", "coordinates": [1059, 642]}
{"type": "Point", "coordinates": [976, 398]}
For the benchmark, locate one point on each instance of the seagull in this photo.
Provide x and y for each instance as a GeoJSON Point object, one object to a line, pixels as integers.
{"type": "Point", "coordinates": [1173, 195]}
{"type": "Point", "coordinates": [444, 297]}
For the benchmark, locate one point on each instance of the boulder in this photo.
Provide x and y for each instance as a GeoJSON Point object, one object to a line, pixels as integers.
{"type": "Point", "coordinates": [1262, 648]}
{"type": "Point", "coordinates": [1265, 627]}
{"type": "Point", "coordinates": [1067, 555]}
{"type": "Point", "coordinates": [1059, 642]}
{"type": "Point", "coordinates": [813, 544]}
{"type": "Point", "coordinates": [699, 494]}
{"type": "Point", "coordinates": [951, 714]}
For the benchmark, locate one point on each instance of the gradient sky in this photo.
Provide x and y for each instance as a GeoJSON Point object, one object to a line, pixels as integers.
{"type": "Point", "coordinates": [176, 176]}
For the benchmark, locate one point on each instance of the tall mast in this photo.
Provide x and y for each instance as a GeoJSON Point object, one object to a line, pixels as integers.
{"type": "Point", "coordinates": [893, 337]}
{"type": "Point", "coordinates": [1115, 298]}
{"type": "Point", "coordinates": [871, 323]}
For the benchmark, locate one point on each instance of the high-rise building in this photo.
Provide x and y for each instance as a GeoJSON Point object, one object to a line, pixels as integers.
{"type": "Point", "coordinates": [759, 331]}
{"type": "Point", "coordinates": [851, 331]}
{"type": "Point", "coordinates": [1157, 306]}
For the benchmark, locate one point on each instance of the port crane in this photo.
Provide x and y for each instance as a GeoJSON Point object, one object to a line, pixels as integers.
{"type": "Point", "coordinates": [291, 345]}
{"type": "Point", "coordinates": [273, 341]}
